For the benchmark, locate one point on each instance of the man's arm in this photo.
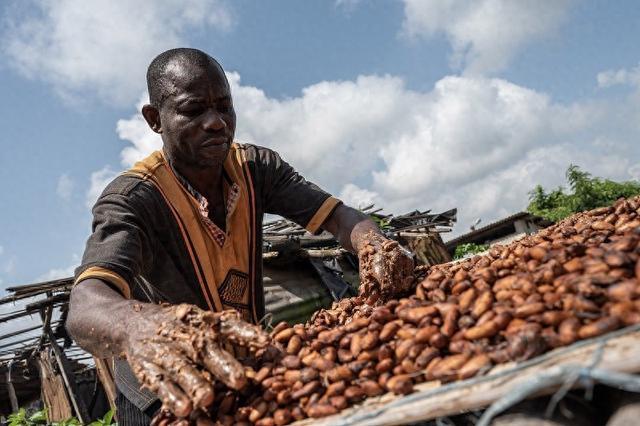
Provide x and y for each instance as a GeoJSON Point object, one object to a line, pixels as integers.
{"type": "Point", "coordinates": [386, 268]}
{"type": "Point", "coordinates": [99, 317]}
{"type": "Point", "coordinates": [158, 342]}
{"type": "Point", "coordinates": [350, 227]}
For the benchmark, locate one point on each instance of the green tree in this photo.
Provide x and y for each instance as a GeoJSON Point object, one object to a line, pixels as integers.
{"type": "Point", "coordinates": [469, 249]}
{"type": "Point", "coordinates": [586, 193]}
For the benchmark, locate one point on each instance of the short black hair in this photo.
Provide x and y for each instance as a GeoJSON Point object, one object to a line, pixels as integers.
{"type": "Point", "coordinates": [157, 68]}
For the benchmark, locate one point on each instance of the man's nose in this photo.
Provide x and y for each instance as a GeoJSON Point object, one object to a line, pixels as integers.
{"type": "Point", "coordinates": [214, 121]}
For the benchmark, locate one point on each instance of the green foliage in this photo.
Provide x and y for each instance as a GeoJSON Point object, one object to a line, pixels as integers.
{"type": "Point", "coordinates": [382, 223]}
{"type": "Point", "coordinates": [107, 420]}
{"type": "Point", "coordinates": [468, 249]}
{"type": "Point", "coordinates": [587, 193]}
{"type": "Point", "coordinates": [68, 422]}
{"type": "Point", "coordinates": [22, 418]}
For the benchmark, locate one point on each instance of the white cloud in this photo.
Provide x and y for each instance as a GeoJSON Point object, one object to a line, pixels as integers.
{"type": "Point", "coordinates": [1, 250]}
{"type": "Point", "coordinates": [65, 186]}
{"type": "Point", "coordinates": [65, 272]}
{"type": "Point", "coordinates": [479, 144]}
{"type": "Point", "coordinates": [610, 78]}
{"type": "Point", "coordinates": [9, 266]}
{"type": "Point", "coordinates": [102, 47]}
{"type": "Point", "coordinates": [484, 34]}
{"type": "Point", "coordinates": [358, 197]}
{"type": "Point", "coordinates": [99, 181]}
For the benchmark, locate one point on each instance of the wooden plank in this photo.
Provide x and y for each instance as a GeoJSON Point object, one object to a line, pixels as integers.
{"type": "Point", "coordinates": [69, 380]}
{"type": "Point", "coordinates": [53, 392]}
{"type": "Point", "coordinates": [618, 351]}
{"type": "Point", "coordinates": [105, 374]}
{"type": "Point", "coordinates": [13, 399]}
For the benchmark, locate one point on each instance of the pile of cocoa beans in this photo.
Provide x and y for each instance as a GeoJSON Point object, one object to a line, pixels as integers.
{"type": "Point", "coordinates": [575, 280]}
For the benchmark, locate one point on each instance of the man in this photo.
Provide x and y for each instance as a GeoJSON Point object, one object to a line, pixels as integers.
{"type": "Point", "coordinates": [183, 226]}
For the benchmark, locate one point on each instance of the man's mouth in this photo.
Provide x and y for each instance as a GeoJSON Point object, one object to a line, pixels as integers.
{"type": "Point", "coordinates": [215, 141]}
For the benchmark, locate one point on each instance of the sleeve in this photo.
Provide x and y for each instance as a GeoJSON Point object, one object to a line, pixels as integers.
{"type": "Point", "coordinates": [288, 194]}
{"type": "Point", "coordinates": [118, 249]}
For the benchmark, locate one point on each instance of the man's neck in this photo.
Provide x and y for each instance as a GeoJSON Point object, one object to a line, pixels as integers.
{"type": "Point", "coordinates": [207, 181]}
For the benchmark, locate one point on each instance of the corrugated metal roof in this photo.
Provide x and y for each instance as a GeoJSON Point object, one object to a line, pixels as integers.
{"type": "Point", "coordinates": [497, 224]}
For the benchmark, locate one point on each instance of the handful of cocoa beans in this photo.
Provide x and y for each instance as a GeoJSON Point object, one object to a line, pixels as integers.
{"type": "Point", "coordinates": [575, 280]}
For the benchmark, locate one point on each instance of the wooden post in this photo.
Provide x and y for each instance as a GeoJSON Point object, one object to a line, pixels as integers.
{"type": "Point", "coordinates": [105, 373]}
{"type": "Point", "coordinates": [12, 391]}
{"type": "Point", "coordinates": [54, 394]}
{"type": "Point", "coordinates": [69, 380]}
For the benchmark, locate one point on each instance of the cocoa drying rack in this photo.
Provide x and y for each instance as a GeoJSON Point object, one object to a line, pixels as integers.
{"type": "Point", "coordinates": [611, 359]}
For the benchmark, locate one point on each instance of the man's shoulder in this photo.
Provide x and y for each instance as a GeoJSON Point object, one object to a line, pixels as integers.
{"type": "Point", "coordinates": [256, 153]}
{"type": "Point", "coordinates": [127, 186]}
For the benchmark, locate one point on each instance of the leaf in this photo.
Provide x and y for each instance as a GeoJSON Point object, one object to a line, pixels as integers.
{"type": "Point", "coordinates": [107, 419]}
{"type": "Point", "coordinates": [39, 417]}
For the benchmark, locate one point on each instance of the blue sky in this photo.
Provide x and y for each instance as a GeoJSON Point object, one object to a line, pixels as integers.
{"type": "Point", "coordinates": [409, 104]}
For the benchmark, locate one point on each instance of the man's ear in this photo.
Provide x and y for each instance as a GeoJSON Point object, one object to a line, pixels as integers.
{"type": "Point", "coordinates": [152, 117]}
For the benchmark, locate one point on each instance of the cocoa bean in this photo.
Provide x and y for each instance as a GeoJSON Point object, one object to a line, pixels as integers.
{"type": "Point", "coordinates": [321, 410]}
{"type": "Point", "coordinates": [282, 416]}
{"type": "Point", "coordinates": [400, 385]}
{"type": "Point", "coordinates": [389, 330]}
{"type": "Point", "coordinates": [284, 335]}
{"type": "Point", "coordinates": [339, 402]}
{"type": "Point", "coordinates": [601, 326]}
{"type": "Point", "coordinates": [414, 315]}
{"type": "Point", "coordinates": [474, 365]}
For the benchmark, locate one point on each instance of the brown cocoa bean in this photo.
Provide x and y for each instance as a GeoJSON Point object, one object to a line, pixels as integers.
{"type": "Point", "coordinates": [529, 309]}
{"type": "Point", "coordinates": [414, 315]}
{"type": "Point", "coordinates": [354, 393]}
{"type": "Point", "coordinates": [339, 402]}
{"type": "Point", "coordinates": [294, 345]}
{"type": "Point", "coordinates": [371, 388]}
{"type": "Point", "coordinates": [370, 340]}
{"type": "Point", "coordinates": [336, 388]}
{"type": "Point", "coordinates": [482, 304]}
{"type": "Point", "coordinates": [384, 365]}
{"type": "Point", "coordinates": [356, 325]}
{"type": "Point", "coordinates": [282, 416]}
{"type": "Point", "coordinates": [344, 355]}
{"type": "Point", "coordinates": [466, 299]}
{"type": "Point", "coordinates": [424, 334]}
{"type": "Point", "coordinates": [403, 348]}
{"type": "Point", "coordinates": [426, 356]}
{"type": "Point", "coordinates": [341, 372]}
{"type": "Point", "coordinates": [474, 365]}
{"type": "Point", "coordinates": [306, 390]}
{"type": "Point", "coordinates": [321, 410]}
{"type": "Point", "coordinates": [601, 326]}
{"type": "Point", "coordinates": [400, 385]}
{"type": "Point", "coordinates": [284, 335]}
{"type": "Point", "coordinates": [389, 330]}
{"type": "Point", "coordinates": [439, 341]}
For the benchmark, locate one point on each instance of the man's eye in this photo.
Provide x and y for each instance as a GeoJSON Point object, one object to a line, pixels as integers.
{"type": "Point", "coordinates": [224, 108]}
{"type": "Point", "coordinates": [191, 112]}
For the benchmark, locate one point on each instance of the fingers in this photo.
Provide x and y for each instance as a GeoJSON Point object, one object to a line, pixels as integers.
{"type": "Point", "coordinates": [156, 379]}
{"type": "Point", "coordinates": [174, 398]}
{"type": "Point", "coordinates": [237, 331]}
{"type": "Point", "coordinates": [188, 378]}
{"type": "Point", "coordinates": [224, 366]}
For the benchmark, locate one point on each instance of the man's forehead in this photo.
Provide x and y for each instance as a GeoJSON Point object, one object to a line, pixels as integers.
{"type": "Point", "coordinates": [183, 79]}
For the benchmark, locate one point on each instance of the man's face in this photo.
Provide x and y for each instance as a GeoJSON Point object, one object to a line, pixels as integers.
{"type": "Point", "coordinates": [197, 117]}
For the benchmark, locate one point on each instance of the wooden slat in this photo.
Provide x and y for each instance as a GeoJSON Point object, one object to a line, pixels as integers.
{"type": "Point", "coordinates": [105, 373]}
{"type": "Point", "coordinates": [619, 351]}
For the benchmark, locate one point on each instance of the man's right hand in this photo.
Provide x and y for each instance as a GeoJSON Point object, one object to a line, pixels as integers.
{"type": "Point", "coordinates": [176, 352]}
